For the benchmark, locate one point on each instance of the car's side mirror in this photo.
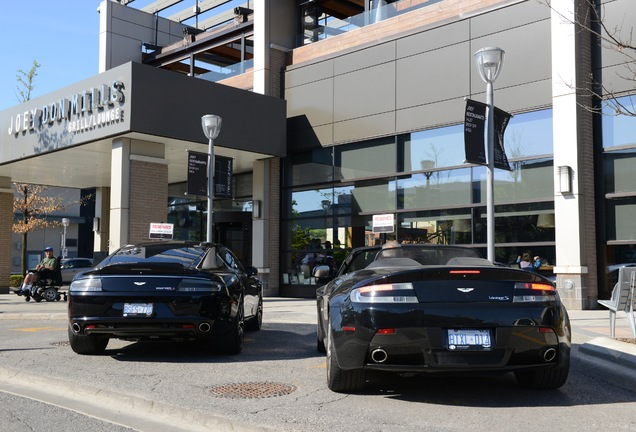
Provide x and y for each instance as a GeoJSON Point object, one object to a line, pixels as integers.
{"type": "Point", "coordinates": [322, 274]}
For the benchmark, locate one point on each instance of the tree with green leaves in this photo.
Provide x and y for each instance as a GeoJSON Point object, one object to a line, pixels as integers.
{"type": "Point", "coordinates": [26, 82]}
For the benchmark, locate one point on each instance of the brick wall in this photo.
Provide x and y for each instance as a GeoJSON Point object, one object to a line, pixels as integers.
{"type": "Point", "coordinates": [6, 243]}
{"type": "Point", "coordinates": [148, 197]}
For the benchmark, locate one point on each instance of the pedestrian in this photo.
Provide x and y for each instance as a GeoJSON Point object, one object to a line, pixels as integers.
{"type": "Point", "coordinates": [44, 270]}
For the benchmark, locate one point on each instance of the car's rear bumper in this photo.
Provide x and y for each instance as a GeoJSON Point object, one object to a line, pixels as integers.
{"type": "Point", "coordinates": [417, 340]}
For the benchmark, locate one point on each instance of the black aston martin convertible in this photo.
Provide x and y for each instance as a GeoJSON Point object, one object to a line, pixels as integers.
{"type": "Point", "coordinates": [439, 309]}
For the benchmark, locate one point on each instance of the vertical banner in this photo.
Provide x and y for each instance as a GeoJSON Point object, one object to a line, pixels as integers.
{"type": "Point", "coordinates": [197, 173]}
{"type": "Point", "coordinates": [223, 176]}
{"type": "Point", "coordinates": [501, 122]}
{"type": "Point", "coordinates": [474, 124]}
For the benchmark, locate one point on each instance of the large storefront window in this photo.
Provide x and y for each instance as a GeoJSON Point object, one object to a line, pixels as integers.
{"type": "Point", "coordinates": [618, 130]}
{"type": "Point", "coordinates": [330, 196]}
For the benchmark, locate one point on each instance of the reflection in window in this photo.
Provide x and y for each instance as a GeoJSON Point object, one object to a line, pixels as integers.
{"type": "Point", "coordinates": [529, 180]}
{"type": "Point", "coordinates": [435, 148]}
{"type": "Point", "coordinates": [529, 134]}
{"type": "Point", "coordinates": [367, 159]}
{"type": "Point", "coordinates": [435, 189]}
{"type": "Point", "coordinates": [618, 130]}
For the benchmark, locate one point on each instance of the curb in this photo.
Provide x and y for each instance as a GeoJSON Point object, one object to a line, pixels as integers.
{"type": "Point", "coordinates": [617, 361]}
{"type": "Point", "coordinates": [611, 350]}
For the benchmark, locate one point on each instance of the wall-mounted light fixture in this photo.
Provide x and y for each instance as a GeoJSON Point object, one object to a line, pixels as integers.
{"type": "Point", "coordinates": [564, 174]}
{"type": "Point", "coordinates": [256, 209]}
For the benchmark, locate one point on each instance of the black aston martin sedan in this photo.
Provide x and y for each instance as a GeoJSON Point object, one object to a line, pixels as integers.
{"type": "Point", "coordinates": [416, 309]}
{"type": "Point", "coordinates": [160, 290]}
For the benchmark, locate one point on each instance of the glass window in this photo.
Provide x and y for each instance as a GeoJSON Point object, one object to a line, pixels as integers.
{"type": "Point", "coordinates": [435, 189]}
{"type": "Point", "coordinates": [309, 167]}
{"type": "Point", "coordinates": [373, 196]}
{"type": "Point", "coordinates": [620, 222]}
{"type": "Point", "coordinates": [367, 159]}
{"type": "Point", "coordinates": [619, 171]}
{"type": "Point", "coordinates": [529, 134]}
{"type": "Point", "coordinates": [529, 180]}
{"type": "Point", "coordinates": [435, 148]}
{"type": "Point", "coordinates": [618, 130]}
{"type": "Point", "coordinates": [311, 203]}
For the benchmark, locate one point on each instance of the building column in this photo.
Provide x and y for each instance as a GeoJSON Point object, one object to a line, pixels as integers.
{"type": "Point", "coordinates": [139, 190]}
{"type": "Point", "coordinates": [101, 222]}
{"type": "Point", "coordinates": [6, 230]}
{"type": "Point", "coordinates": [575, 238]}
{"type": "Point", "coordinates": [266, 224]}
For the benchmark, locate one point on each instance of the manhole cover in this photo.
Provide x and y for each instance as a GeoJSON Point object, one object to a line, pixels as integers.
{"type": "Point", "coordinates": [253, 390]}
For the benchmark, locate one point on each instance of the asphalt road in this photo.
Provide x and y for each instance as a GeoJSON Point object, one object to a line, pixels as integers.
{"type": "Point", "coordinates": [276, 384]}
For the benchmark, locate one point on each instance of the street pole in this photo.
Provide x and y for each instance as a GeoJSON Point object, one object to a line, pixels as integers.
{"type": "Point", "coordinates": [211, 125]}
{"type": "Point", "coordinates": [489, 62]}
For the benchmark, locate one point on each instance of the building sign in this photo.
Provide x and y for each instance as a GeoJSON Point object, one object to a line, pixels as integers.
{"type": "Point", "coordinates": [383, 223]}
{"type": "Point", "coordinates": [197, 173]}
{"type": "Point", "coordinates": [82, 111]}
{"type": "Point", "coordinates": [223, 176]}
{"type": "Point", "coordinates": [161, 230]}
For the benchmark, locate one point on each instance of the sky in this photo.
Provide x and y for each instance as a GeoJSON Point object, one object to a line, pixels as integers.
{"type": "Point", "coordinates": [62, 36]}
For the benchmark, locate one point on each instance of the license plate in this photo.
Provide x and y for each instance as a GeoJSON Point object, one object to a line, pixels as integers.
{"type": "Point", "coordinates": [469, 339]}
{"type": "Point", "coordinates": [136, 309]}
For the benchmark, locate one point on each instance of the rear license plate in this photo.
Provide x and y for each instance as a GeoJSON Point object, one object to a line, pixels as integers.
{"type": "Point", "coordinates": [137, 309]}
{"type": "Point", "coordinates": [475, 340]}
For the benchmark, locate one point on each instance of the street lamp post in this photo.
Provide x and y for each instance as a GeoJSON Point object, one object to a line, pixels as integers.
{"type": "Point", "coordinates": [489, 63]}
{"type": "Point", "coordinates": [211, 128]}
{"type": "Point", "coordinates": [65, 224]}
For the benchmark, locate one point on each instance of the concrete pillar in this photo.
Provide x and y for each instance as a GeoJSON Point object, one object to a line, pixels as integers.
{"type": "Point", "coordinates": [6, 232]}
{"type": "Point", "coordinates": [101, 222]}
{"type": "Point", "coordinates": [573, 153]}
{"type": "Point", "coordinates": [139, 190]}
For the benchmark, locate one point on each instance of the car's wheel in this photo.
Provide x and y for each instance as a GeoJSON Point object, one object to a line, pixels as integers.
{"type": "Point", "coordinates": [89, 345]}
{"type": "Point", "coordinates": [49, 294]}
{"type": "Point", "coordinates": [232, 342]}
{"type": "Point", "coordinates": [340, 380]}
{"type": "Point", "coordinates": [544, 379]}
{"type": "Point", "coordinates": [256, 322]}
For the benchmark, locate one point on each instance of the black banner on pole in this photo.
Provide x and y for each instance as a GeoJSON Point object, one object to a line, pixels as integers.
{"type": "Point", "coordinates": [474, 124]}
{"type": "Point", "coordinates": [501, 122]}
{"type": "Point", "coordinates": [197, 173]}
{"type": "Point", "coordinates": [223, 176]}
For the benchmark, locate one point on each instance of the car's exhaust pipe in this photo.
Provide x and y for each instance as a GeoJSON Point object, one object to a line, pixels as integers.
{"type": "Point", "coordinates": [204, 327]}
{"type": "Point", "coordinates": [378, 355]}
{"type": "Point", "coordinates": [549, 354]}
{"type": "Point", "coordinates": [76, 328]}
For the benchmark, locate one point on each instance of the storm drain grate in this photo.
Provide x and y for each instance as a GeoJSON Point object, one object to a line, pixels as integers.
{"type": "Point", "coordinates": [254, 390]}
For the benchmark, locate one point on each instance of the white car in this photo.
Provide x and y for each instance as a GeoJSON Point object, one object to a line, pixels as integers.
{"type": "Point", "coordinates": [72, 266]}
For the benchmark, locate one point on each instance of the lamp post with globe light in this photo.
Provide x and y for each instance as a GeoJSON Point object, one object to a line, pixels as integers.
{"type": "Point", "coordinates": [211, 125]}
{"type": "Point", "coordinates": [489, 62]}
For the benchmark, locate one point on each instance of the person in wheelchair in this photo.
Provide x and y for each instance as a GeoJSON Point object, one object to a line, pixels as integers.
{"type": "Point", "coordinates": [44, 270]}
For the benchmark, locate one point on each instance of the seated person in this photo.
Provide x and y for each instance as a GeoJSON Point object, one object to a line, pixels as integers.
{"type": "Point", "coordinates": [44, 270]}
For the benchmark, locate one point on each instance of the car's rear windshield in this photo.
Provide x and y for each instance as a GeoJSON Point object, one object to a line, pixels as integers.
{"type": "Point", "coordinates": [187, 255]}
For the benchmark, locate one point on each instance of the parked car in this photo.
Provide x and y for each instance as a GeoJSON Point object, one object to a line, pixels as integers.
{"type": "Point", "coordinates": [72, 266]}
{"type": "Point", "coordinates": [173, 290]}
{"type": "Point", "coordinates": [439, 309]}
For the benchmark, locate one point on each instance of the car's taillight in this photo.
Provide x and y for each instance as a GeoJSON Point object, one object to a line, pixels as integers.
{"type": "Point", "coordinates": [385, 293]}
{"type": "Point", "coordinates": [86, 285]}
{"type": "Point", "coordinates": [534, 292]}
{"type": "Point", "coordinates": [199, 286]}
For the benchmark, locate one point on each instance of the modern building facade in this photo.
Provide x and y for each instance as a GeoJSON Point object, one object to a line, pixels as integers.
{"type": "Point", "coordinates": [338, 112]}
